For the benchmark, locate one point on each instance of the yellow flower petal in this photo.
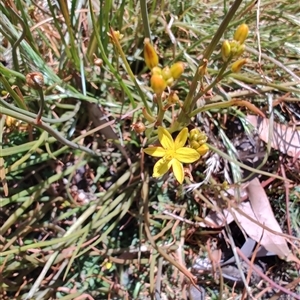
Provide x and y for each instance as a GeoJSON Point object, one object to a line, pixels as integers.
{"type": "Point", "coordinates": [181, 138]}
{"type": "Point", "coordinates": [165, 138]}
{"type": "Point", "coordinates": [155, 151]}
{"type": "Point", "coordinates": [187, 155]}
{"type": "Point", "coordinates": [178, 170]}
{"type": "Point", "coordinates": [161, 167]}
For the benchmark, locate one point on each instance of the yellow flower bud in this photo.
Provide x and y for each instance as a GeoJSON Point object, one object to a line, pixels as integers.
{"type": "Point", "coordinates": [115, 35]}
{"type": "Point", "coordinates": [170, 81]}
{"type": "Point", "coordinates": [194, 144]}
{"type": "Point", "coordinates": [226, 50]}
{"type": "Point", "coordinates": [156, 70]}
{"type": "Point", "coordinates": [194, 134]}
{"type": "Point", "coordinates": [241, 33]}
{"type": "Point", "coordinates": [203, 149]}
{"type": "Point", "coordinates": [166, 73]}
{"type": "Point", "coordinates": [10, 121]}
{"type": "Point", "coordinates": [150, 55]}
{"type": "Point", "coordinates": [198, 135]}
{"type": "Point", "coordinates": [240, 50]}
{"type": "Point", "coordinates": [177, 69]}
{"type": "Point", "coordinates": [237, 66]}
{"type": "Point", "coordinates": [158, 84]}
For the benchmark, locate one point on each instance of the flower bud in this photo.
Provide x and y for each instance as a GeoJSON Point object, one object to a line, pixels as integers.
{"type": "Point", "coordinates": [166, 73]}
{"type": "Point", "coordinates": [150, 55]}
{"type": "Point", "coordinates": [177, 69]}
{"type": "Point", "coordinates": [170, 81]}
{"type": "Point", "coordinates": [35, 80]}
{"type": "Point", "coordinates": [194, 134]}
{"type": "Point", "coordinates": [203, 149]}
{"type": "Point", "coordinates": [240, 50]}
{"type": "Point", "coordinates": [138, 127]}
{"type": "Point", "coordinates": [156, 70]}
{"type": "Point", "coordinates": [198, 136]}
{"type": "Point", "coordinates": [226, 50]}
{"type": "Point", "coordinates": [115, 35]}
{"type": "Point", "coordinates": [195, 145]}
{"type": "Point", "coordinates": [98, 61]}
{"type": "Point", "coordinates": [158, 84]}
{"type": "Point", "coordinates": [10, 121]}
{"type": "Point", "coordinates": [237, 66]}
{"type": "Point", "coordinates": [241, 33]}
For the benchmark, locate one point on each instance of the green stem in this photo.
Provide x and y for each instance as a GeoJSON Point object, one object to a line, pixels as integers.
{"type": "Point", "coordinates": [42, 104]}
{"type": "Point", "coordinates": [106, 60]}
{"type": "Point", "coordinates": [18, 41]}
{"type": "Point", "coordinates": [145, 19]}
{"type": "Point", "coordinates": [161, 111]}
{"type": "Point", "coordinates": [128, 69]}
{"type": "Point", "coordinates": [219, 77]}
{"type": "Point", "coordinates": [188, 102]}
{"type": "Point", "coordinates": [47, 120]}
{"type": "Point", "coordinates": [12, 93]}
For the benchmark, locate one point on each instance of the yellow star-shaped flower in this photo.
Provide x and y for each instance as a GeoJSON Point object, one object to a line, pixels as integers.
{"type": "Point", "coordinates": [172, 153]}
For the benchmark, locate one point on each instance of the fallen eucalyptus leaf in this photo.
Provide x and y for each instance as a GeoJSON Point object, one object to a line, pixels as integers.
{"type": "Point", "coordinates": [264, 215]}
{"type": "Point", "coordinates": [250, 214]}
{"type": "Point", "coordinates": [284, 138]}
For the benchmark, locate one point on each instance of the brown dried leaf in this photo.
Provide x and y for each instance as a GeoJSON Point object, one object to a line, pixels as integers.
{"type": "Point", "coordinates": [285, 139]}
{"type": "Point", "coordinates": [258, 209]}
{"type": "Point", "coordinates": [264, 215]}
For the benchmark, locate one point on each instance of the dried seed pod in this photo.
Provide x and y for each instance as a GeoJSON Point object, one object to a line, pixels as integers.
{"type": "Point", "coordinates": [35, 80]}
{"type": "Point", "coordinates": [173, 98]}
{"type": "Point", "coordinates": [98, 61]}
{"type": "Point", "coordinates": [138, 127]}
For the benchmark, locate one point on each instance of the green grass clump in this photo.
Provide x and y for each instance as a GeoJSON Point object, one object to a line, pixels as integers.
{"type": "Point", "coordinates": [80, 215]}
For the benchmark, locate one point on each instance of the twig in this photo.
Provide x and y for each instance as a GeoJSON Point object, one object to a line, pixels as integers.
{"type": "Point", "coordinates": [265, 277]}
